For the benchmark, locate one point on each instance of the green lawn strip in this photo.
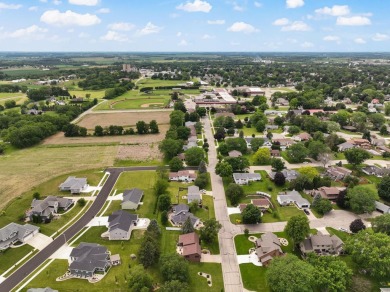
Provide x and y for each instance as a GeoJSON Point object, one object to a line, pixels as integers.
{"type": "Point", "coordinates": [243, 244]}
{"type": "Point", "coordinates": [250, 131]}
{"type": "Point", "coordinates": [235, 218]}
{"type": "Point", "coordinates": [254, 278]}
{"type": "Point", "coordinates": [177, 194]}
{"type": "Point", "coordinates": [99, 94]}
{"type": "Point", "coordinates": [341, 234]}
{"type": "Point", "coordinates": [114, 206]}
{"type": "Point", "coordinates": [11, 256]}
{"type": "Point", "coordinates": [143, 180]}
{"type": "Point", "coordinates": [208, 186]}
{"type": "Point", "coordinates": [199, 283]}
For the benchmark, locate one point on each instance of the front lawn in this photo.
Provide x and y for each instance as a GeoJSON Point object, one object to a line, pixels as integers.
{"type": "Point", "coordinates": [254, 278]}
{"type": "Point", "coordinates": [243, 244]}
{"type": "Point", "coordinates": [11, 256]}
{"type": "Point", "coordinates": [341, 234]}
{"type": "Point", "coordinates": [199, 283]}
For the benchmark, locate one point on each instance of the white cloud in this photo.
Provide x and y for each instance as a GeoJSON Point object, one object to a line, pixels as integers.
{"type": "Point", "coordinates": [359, 41]}
{"type": "Point", "coordinates": [257, 4]}
{"type": "Point", "coordinates": [121, 26]}
{"type": "Point", "coordinates": [216, 22]}
{"type": "Point", "coordinates": [379, 37]}
{"type": "Point", "coordinates": [182, 43]}
{"type": "Point", "coordinates": [179, 34]}
{"type": "Point", "coordinates": [307, 45]}
{"type": "Point", "coordinates": [237, 7]}
{"type": "Point", "coordinates": [57, 2]}
{"type": "Point", "coordinates": [149, 29]}
{"type": "Point", "coordinates": [281, 21]}
{"type": "Point", "coordinates": [84, 2]}
{"type": "Point", "coordinates": [335, 10]}
{"type": "Point", "coordinates": [114, 36]}
{"type": "Point", "coordinates": [55, 17]}
{"type": "Point", "coordinates": [43, 1]}
{"type": "Point", "coordinates": [83, 35]}
{"type": "Point", "coordinates": [353, 21]}
{"type": "Point", "coordinates": [103, 10]}
{"type": "Point", "coordinates": [296, 26]}
{"type": "Point", "coordinates": [31, 32]}
{"type": "Point", "coordinates": [207, 37]}
{"type": "Point", "coordinates": [331, 38]}
{"type": "Point", "coordinates": [9, 6]}
{"type": "Point", "coordinates": [196, 6]}
{"type": "Point", "coordinates": [242, 27]}
{"type": "Point", "coordinates": [33, 8]}
{"type": "Point", "coordinates": [294, 3]}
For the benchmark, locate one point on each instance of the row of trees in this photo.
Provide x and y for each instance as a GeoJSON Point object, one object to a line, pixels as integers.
{"type": "Point", "coordinates": [45, 92]}
{"type": "Point", "coordinates": [141, 127]}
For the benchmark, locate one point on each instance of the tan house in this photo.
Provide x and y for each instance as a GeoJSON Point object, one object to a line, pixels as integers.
{"type": "Point", "coordinates": [322, 244]}
{"type": "Point", "coordinates": [330, 193]}
{"type": "Point", "coordinates": [337, 172]}
{"type": "Point", "coordinates": [268, 247]}
{"type": "Point", "coordinates": [235, 153]}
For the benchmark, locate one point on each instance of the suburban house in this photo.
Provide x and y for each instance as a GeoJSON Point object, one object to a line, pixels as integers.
{"type": "Point", "coordinates": [350, 128]}
{"type": "Point", "coordinates": [375, 170]}
{"type": "Point", "coordinates": [88, 259]}
{"type": "Point", "coordinates": [322, 244]}
{"type": "Point", "coordinates": [189, 247]}
{"type": "Point", "coordinates": [283, 142]}
{"type": "Point", "coordinates": [74, 185]}
{"type": "Point", "coordinates": [275, 153]}
{"type": "Point", "coordinates": [49, 206]}
{"type": "Point", "coordinates": [302, 137]}
{"type": "Point", "coordinates": [120, 225]}
{"type": "Point", "coordinates": [337, 172]}
{"type": "Point", "coordinates": [183, 175]}
{"type": "Point", "coordinates": [263, 204]}
{"type": "Point", "coordinates": [330, 193]}
{"type": "Point", "coordinates": [292, 197]}
{"type": "Point", "coordinates": [13, 233]}
{"type": "Point", "coordinates": [268, 247]}
{"type": "Point", "coordinates": [361, 143]}
{"type": "Point", "coordinates": [47, 289]}
{"type": "Point", "coordinates": [378, 142]}
{"type": "Point", "coordinates": [345, 146]}
{"type": "Point", "coordinates": [281, 101]}
{"type": "Point", "coordinates": [131, 199]}
{"type": "Point", "coordinates": [271, 127]}
{"type": "Point", "coordinates": [253, 91]}
{"type": "Point", "coordinates": [234, 153]}
{"type": "Point", "coordinates": [194, 194]}
{"type": "Point", "coordinates": [289, 174]}
{"type": "Point", "coordinates": [180, 214]}
{"type": "Point", "coordinates": [382, 207]}
{"type": "Point", "coordinates": [245, 178]}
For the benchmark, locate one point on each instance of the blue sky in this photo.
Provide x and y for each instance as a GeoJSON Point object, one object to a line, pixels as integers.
{"type": "Point", "coordinates": [195, 25]}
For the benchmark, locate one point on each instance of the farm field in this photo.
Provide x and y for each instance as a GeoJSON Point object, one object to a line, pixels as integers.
{"type": "Point", "coordinates": [124, 119]}
{"type": "Point", "coordinates": [99, 94]}
{"type": "Point", "coordinates": [11, 94]}
{"type": "Point", "coordinates": [22, 170]}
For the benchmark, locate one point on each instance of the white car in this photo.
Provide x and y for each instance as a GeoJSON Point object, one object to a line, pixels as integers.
{"type": "Point", "coordinates": [343, 229]}
{"type": "Point", "coordinates": [202, 191]}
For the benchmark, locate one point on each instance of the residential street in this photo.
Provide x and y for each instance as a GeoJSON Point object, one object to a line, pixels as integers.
{"type": "Point", "coordinates": [230, 269]}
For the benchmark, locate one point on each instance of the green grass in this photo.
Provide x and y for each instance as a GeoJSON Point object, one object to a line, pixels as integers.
{"type": "Point", "coordinates": [134, 99]}
{"type": "Point", "coordinates": [250, 131]}
{"type": "Point", "coordinates": [243, 244]}
{"type": "Point", "coordinates": [11, 94]}
{"type": "Point", "coordinates": [124, 163]}
{"type": "Point", "coordinates": [341, 234]}
{"type": "Point", "coordinates": [99, 94]}
{"type": "Point", "coordinates": [253, 278]}
{"type": "Point", "coordinates": [143, 180]}
{"type": "Point", "coordinates": [114, 206]}
{"type": "Point", "coordinates": [199, 283]}
{"type": "Point", "coordinates": [11, 256]}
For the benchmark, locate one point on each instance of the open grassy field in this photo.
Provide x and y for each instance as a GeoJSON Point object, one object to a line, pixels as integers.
{"type": "Point", "coordinates": [11, 94]}
{"type": "Point", "coordinates": [253, 278]}
{"type": "Point", "coordinates": [125, 119]}
{"type": "Point", "coordinates": [99, 94]}
{"type": "Point", "coordinates": [11, 256]}
{"type": "Point", "coordinates": [134, 99]}
{"type": "Point", "coordinates": [22, 170]}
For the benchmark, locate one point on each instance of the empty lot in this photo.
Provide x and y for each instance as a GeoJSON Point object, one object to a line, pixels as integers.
{"type": "Point", "coordinates": [125, 119]}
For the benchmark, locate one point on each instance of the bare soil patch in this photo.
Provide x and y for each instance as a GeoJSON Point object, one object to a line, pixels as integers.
{"type": "Point", "coordinates": [123, 118]}
{"type": "Point", "coordinates": [151, 104]}
{"type": "Point", "coordinates": [139, 152]}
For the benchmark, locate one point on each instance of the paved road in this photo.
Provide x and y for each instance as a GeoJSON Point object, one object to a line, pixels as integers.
{"type": "Point", "coordinates": [230, 267]}
{"type": "Point", "coordinates": [9, 283]}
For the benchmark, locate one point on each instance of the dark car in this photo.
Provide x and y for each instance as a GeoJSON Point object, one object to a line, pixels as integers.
{"type": "Point", "coordinates": [306, 211]}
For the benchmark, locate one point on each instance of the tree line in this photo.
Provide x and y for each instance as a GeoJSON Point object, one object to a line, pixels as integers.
{"type": "Point", "coordinates": [114, 130]}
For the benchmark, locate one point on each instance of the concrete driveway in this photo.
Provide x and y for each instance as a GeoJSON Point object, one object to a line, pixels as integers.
{"type": "Point", "coordinates": [40, 241]}
{"type": "Point", "coordinates": [63, 253]}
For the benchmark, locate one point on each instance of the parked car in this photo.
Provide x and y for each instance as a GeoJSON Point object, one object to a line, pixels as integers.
{"type": "Point", "coordinates": [306, 211]}
{"type": "Point", "coordinates": [343, 229]}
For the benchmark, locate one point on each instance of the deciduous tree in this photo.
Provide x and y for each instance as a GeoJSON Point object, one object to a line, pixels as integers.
{"type": "Point", "coordinates": [251, 214]}
{"type": "Point", "coordinates": [297, 228]}
{"type": "Point", "coordinates": [361, 199]}
{"type": "Point", "coordinates": [235, 193]}
{"type": "Point", "coordinates": [209, 231]}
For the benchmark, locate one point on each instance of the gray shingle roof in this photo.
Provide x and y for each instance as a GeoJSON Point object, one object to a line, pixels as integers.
{"type": "Point", "coordinates": [89, 256]}
{"type": "Point", "coordinates": [121, 220]}
{"type": "Point", "coordinates": [246, 176]}
{"type": "Point", "coordinates": [133, 195]}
